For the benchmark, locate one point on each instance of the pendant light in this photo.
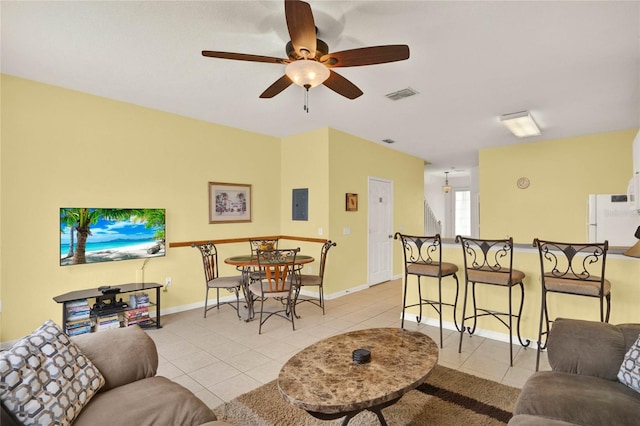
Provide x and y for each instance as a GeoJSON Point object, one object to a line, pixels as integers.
{"type": "Point", "coordinates": [446, 187]}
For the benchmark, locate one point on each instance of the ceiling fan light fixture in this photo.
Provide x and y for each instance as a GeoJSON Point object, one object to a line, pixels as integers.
{"type": "Point", "coordinates": [521, 124]}
{"type": "Point", "coordinates": [307, 73]}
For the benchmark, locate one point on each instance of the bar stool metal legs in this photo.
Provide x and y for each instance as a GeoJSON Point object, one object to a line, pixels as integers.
{"type": "Point", "coordinates": [500, 316]}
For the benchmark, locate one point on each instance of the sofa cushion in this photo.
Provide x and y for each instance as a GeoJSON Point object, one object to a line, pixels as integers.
{"type": "Point", "coordinates": [122, 355]}
{"type": "Point", "coordinates": [629, 373]}
{"type": "Point", "coordinates": [586, 347]}
{"type": "Point", "coordinates": [46, 379]}
{"type": "Point", "coordinates": [153, 401]}
{"type": "Point", "coordinates": [583, 400]}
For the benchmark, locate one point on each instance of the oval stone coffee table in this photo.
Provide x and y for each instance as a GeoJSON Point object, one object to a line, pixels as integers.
{"type": "Point", "coordinates": [324, 380]}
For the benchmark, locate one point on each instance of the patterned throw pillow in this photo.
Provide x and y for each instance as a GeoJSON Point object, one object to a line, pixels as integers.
{"type": "Point", "coordinates": [629, 373]}
{"type": "Point", "coordinates": [45, 379]}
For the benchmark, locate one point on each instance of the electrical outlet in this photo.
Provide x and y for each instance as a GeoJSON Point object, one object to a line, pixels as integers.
{"type": "Point", "coordinates": [309, 269]}
{"type": "Point", "coordinates": [167, 281]}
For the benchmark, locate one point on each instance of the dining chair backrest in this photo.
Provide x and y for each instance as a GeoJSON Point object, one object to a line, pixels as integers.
{"type": "Point", "coordinates": [209, 260]}
{"type": "Point", "coordinates": [263, 244]}
{"type": "Point", "coordinates": [278, 266]}
{"type": "Point", "coordinates": [323, 255]}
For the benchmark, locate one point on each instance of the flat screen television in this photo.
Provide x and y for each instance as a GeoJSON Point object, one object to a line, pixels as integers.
{"type": "Point", "coordinates": [91, 235]}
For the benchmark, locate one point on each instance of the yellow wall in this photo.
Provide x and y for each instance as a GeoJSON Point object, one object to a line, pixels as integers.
{"type": "Point", "coordinates": [352, 161]}
{"type": "Point", "coordinates": [304, 160]}
{"type": "Point", "coordinates": [562, 173]}
{"type": "Point", "coordinates": [67, 149]}
{"type": "Point", "coordinates": [342, 164]}
{"type": "Point", "coordinates": [62, 148]}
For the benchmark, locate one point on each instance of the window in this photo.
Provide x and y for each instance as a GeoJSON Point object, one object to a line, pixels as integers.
{"type": "Point", "coordinates": [462, 212]}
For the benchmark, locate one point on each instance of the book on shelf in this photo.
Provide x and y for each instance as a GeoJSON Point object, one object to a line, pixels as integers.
{"type": "Point", "coordinates": [108, 326]}
{"type": "Point", "coordinates": [138, 316]}
{"type": "Point", "coordinates": [79, 330]}
{"type": "Point", "coordinates": [138, 300]}
{"type": "Point", "coordinates": [77, 303]}
{"type": "Point", "coordinates": [77, 310]}
{"type": "Point", "coordinates": [77, 327]}
{"type": "Point", "coordinates": [107, 322]}
{"type": "Point", "coordinates": [138, 321]}
{"type": "Point", "coordinates": [137, 312]}
{"type": "Point", "coordinates": [78, 323]}
{"type": "Point", "coordinates": [78, 316]}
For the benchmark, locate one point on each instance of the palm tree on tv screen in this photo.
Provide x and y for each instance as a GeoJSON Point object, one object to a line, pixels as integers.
{"type": "Point", "coordinates": [67, 219]}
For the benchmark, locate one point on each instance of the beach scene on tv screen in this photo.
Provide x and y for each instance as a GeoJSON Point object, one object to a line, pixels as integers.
{"type": "Point", "coordinates": [90, 235]}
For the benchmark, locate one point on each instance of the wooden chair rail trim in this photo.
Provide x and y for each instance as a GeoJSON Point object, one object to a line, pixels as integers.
{"type": "Point", "coordinates": [246, 239]}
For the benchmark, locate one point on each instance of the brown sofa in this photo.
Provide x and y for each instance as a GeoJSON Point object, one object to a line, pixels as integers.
{"type": "Point", "coordinates": [582, 388]}
{"type": "Point", "coordinates": [132, 393]}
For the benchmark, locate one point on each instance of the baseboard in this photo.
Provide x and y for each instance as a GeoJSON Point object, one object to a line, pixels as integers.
{"type": "Point", "coordinates": [489, 334]}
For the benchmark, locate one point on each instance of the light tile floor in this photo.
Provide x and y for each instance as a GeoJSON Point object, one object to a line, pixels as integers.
{"type": "Point", "coordinates": [220, 357]}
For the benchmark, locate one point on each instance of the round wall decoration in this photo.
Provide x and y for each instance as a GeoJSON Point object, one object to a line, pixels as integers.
{"type": "Point", "coordinates": [523, 183]}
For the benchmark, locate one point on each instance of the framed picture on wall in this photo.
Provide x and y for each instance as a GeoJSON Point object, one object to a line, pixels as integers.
{"type": "Point", "coordinates": [351, 202]}
{"type": "Point", "coordinates": [229, 202]}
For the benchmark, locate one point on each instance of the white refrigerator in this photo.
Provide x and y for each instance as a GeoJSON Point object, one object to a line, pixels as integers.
{"type": "Point", "coordinates": [611, 218]}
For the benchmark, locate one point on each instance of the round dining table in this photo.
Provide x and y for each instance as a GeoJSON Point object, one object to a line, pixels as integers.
{"type": "Point", "coordinates": [247, 262]}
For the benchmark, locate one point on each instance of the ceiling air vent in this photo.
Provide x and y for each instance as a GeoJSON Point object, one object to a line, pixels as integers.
{"type": "Point", "coordinates": [389, 141]}
{"type": "Point", "coordinates": [400, 94]}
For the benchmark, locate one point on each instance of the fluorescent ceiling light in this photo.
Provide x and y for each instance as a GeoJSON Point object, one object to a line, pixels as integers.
{"type": "Point", "coordinates": [520, 124]}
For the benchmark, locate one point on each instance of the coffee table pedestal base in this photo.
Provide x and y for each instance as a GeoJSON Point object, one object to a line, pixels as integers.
{"type": "Point", "coordinates": [351, 414]}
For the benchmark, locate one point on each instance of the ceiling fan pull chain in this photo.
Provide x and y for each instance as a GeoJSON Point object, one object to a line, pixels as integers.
{"type": "Point", "coordinates": [306, 99]}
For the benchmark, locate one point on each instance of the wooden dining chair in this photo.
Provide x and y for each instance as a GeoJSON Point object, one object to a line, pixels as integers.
{"type": "Point", "coordinates": [212, 280]}
{"type": "Point", "coordinates": [278, 267]}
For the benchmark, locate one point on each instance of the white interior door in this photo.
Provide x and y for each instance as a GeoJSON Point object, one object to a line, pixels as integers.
{"type": "Point", "coordinates": [380, 230]}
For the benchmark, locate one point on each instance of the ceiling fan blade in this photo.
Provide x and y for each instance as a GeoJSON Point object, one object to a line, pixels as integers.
{"type": "Point", "coordinates": [342, 86]}
{"type": "Point", "coordinates": [366, 56]}
{"type": "Point", "coordinates": [302, 28]}
{"type": "Point", "coordinates": [244, 57]}
{"type": "Point", "coordinates": [277, 87]}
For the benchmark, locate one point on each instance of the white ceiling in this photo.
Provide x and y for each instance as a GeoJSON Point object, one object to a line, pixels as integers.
{"type": "Point", "coordinates": [574, 64]}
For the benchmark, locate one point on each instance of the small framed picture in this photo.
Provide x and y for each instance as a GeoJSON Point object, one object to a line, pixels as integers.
{"type": "Point", "coordinates": [229, 202]}
{"type": "Point", "coordinates": [351, 202]}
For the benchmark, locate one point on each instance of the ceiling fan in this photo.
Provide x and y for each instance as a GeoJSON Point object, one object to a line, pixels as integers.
{"type": "Point", "coordinates": [309, 62]}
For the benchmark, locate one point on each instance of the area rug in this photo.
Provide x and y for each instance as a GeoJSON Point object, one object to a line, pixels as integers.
{"type": "Point", "coordinates": [449, 397]}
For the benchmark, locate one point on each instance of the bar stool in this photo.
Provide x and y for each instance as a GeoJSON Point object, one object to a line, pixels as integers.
{"type": "Point", "coordinates": [423, 258]}
{"type": "Point", "coordinates": [491, 262]}
{"type": "Point", "coordinates": [571, 268]}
